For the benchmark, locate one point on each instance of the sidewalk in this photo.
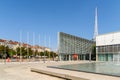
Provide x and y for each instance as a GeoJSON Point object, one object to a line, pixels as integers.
{"type": "Point", "coordinates": [21, 71]}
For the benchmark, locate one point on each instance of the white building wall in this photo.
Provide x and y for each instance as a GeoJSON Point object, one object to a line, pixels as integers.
{"type": "Point", "coordinates": [108, 39]}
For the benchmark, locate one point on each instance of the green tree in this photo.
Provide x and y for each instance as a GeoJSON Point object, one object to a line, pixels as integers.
{"type": "Point", "coordinates": [30, 51]}
{"type": "Point", "coordinates": [41, 53]}
{"type": "Point", "coordinates": [6, 51]}
{"type": "Point", "coordinates": [2, 48]}
{"type": "Point", "coordinates": [18, 51]}
{"type": "Point", "coordinates": [36, 53]}
{"type": "Point", "coordinates": [46, 53]}
{"type": "Point", "coordinates": [12, 52]}
{"type": "Point", "coordinates": [53, 55]}
{"type": "Point", "coordinates": [23, 51]}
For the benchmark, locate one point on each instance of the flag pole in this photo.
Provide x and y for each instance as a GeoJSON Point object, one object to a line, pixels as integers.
{"type": "Point", "coordinates": [49, 47]}
{"type": "Point", "coordinates": [44, 47]}
{"type": "Point", "coordinates": [20, 46]}
{"type": "Point", "coordinates": [28, 46]}
{"type": "Point", "coordinates": [39, 47]}
{"type": "Point", "coordinates": [33, 45]}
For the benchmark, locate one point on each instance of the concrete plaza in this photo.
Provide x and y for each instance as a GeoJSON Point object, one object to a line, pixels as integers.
{"type": "Point", "coordinates": [22, 71]}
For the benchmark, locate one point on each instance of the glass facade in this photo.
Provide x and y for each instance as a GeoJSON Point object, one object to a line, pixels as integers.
{"type": "Point", "coordinates": [73, 47]}
{"type": "Point", "coordinates": [108, 52]}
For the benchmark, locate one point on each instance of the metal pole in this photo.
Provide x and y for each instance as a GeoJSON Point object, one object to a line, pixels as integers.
{"type": "Point", "coordinates": [20, 46]}
{"type": "Point", "coordinates": [39, 47]}
{"type": "Point", "coordinates": [49, 47]}
{"type": "Point", "coordinates": [33, 45]}
{"type": "Point", "coordinates": [28, 46]}
{"type": "Point", "coordinates": [44, 48]}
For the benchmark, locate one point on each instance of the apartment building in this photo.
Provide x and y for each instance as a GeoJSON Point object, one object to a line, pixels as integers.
{"type": "Point", "coordinates": [14, 44]}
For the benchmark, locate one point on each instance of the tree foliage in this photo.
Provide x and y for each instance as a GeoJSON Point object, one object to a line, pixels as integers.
{"type": "Point", "coordinates": [5, 51]}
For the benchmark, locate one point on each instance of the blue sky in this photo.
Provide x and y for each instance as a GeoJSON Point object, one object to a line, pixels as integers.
{"type": "Point", "coordinates": [47, 17]}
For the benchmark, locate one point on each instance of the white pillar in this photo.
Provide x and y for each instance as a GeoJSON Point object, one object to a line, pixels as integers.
{"type": "Point", "coordinates": [77, 57]}
{"type": "Point", "coordinates": [90, 56]}
{"type": "Point", "coordinates": [59, 57]}
{"type": "Point", "coordinates": [69, 57]}
{"type": "Point", "coordinates": [84, 56]}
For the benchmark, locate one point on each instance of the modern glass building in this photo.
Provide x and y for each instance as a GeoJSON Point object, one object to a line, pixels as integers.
{"type": "Point", "coordinates": [73, 48]}
{"type": "Point", "coordinates": [108, 47]}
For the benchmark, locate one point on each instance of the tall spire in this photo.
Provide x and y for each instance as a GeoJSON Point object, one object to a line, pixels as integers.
{"type": "Point", "coordinates": [96, 25]}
